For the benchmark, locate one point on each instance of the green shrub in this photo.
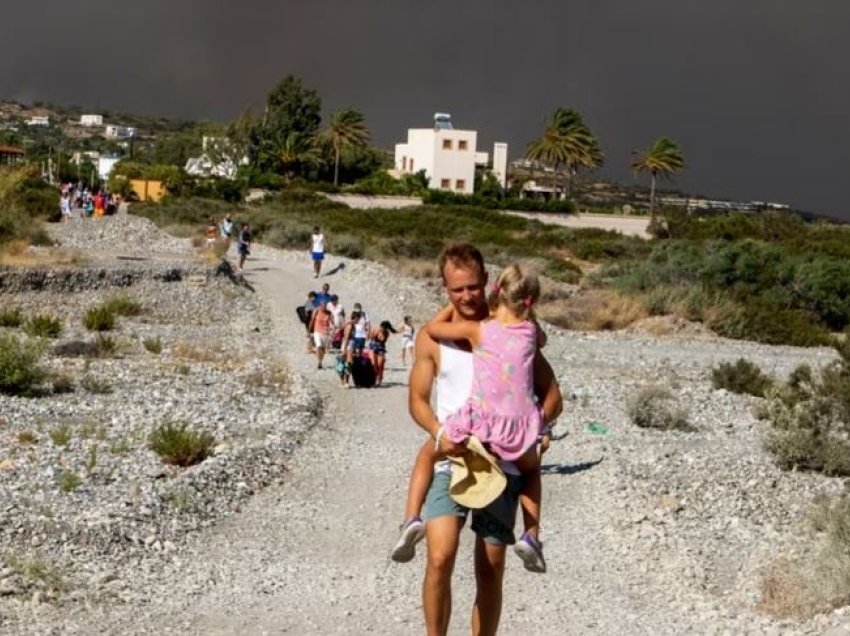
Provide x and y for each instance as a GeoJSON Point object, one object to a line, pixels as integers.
{"type": "Point", "coordinates": [11, 318]}
{"type": "Point", "coordinates": [62, 383]}
{"type": "Point", "coordinates": [154, 345]}
{"type": "Point", "coordinates": [94, 385]}
{"type": "Point", "coordinates": [105, 345]}
{"type": "Point", "coordinates": [810, 419]}
{"type": "Point", "coordinates": [650, 408]}
{"type": "Point", "coordinates": [43, 326]}
{"type": "Point", "coordinates": [742, 377]}
{"type": "Point", "coordinates": [100, 318]}
{"type": "Point", "coordinates": [20, 373]}
{"type": "Point", "coordinates": [69, 481]}
{"type": "Point", "coordinates": [123, 306]}
{"type": "Point", "coordinates": [177, 445]}
{"type": "Point", "coordinates": [61, 435]}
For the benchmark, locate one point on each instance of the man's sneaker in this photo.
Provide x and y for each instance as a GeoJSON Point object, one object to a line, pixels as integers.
{"type": "Point", "coordinates": [531, 552]}
{"type": "Point", "coordinates": [412, 533]}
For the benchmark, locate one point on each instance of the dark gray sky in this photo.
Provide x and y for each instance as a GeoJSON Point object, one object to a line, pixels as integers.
{"type": "Point", "coordinates": [756, 92]}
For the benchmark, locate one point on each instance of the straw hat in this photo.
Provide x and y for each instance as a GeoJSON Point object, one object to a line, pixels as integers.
{"type": "Point", "coordinates": [477, 479]}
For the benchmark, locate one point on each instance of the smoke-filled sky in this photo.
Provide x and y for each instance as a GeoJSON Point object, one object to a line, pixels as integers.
{"type": "Point", "coordinates": [756, 92]}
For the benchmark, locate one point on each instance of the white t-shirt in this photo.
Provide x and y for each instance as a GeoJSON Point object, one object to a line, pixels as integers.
{"type": "Point", "coordinates": [338, 312]}
{"type": "Point", "coordinates": [318, 244]}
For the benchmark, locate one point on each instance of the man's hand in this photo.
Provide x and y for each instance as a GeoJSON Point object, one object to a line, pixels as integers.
{"type": "Point", "coordinates": [545, 440]}
{"type": "Point", "coordinates": [451, 449]}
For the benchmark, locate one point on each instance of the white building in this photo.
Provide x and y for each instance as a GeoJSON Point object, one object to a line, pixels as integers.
{"type": "Point", "coordinates": [91, 120]}
{"type": "Point", "coordinates": [39, 120]}
{"type": "Point", "coordinates": [447, 156]}
{"type": "Point", "coordinates": [105, 166]}
{"type": "Point", "coordinates": [216, 160]}
{"type": "Point", "coordinates": [118, 132]}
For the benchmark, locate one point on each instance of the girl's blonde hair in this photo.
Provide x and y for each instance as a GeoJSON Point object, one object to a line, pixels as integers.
{"type": "Point", "coordinates": [519, 289]}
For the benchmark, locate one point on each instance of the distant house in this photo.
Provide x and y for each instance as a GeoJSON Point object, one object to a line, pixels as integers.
{"type": "Point", "coordinates": [448, 156]}
{"type": "Point", "coordinates": [223, 166]}
{"type": "Point", "coordinates": [105, 166]}
{"type": "Point", "coordinates": [39, 120]}
{"type": "Point", "coordinates": [91, 120]}
{"type": "Point", "coordinates": [118, 132]}
{"type": "Point", "coordinates": [10, 156]}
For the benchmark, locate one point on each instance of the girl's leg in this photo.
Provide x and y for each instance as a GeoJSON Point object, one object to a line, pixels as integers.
{"type": "Point", "coordinates": [420, 480]}
{"type": "Point", "coordinates": [413, 530]}
{"type": "Point", "coordinates": [532, 490]}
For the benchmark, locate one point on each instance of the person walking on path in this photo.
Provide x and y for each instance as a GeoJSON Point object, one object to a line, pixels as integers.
{"type": "Point", "coordinates": [243, 249]}
{"type": "Point", "coordinates": [501, 410]}
{"type": "Point", "coordinates": [447, 366]}
{"type": "Point", "coordinates": [317, 251]}
{"type": "Point", "coordinates": [407, 333]}
{"type": "Point", "coordinates": [320, 325]}
{"type": "Point", "coordinates": [378, 348]}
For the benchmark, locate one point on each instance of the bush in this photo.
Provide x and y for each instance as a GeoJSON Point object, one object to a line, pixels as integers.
{"type": "Point", "coordinates": [20, 373]}
{"type": "Point", "coordinates": [11, 318]}
{"type": "Point", "coordinates": [123, 306]}
{"type": "Point", "coordinates": [650, 408]}
{"type": "Point", "coordinates": [61, 435]}
{"type": "Point", "coordinates": [154, 345]}
{"type": "Point", "coordinates": [62, 384]}
{"type": "Point", "coordinates": [742, 377]}
{"type": "Point", "coordinates": [100, 318]}
{"type": "Point", "coordinates": [43, 326]}
{"type": "Point", "coordinates": [177, 445]}
{"type": "Point", "coordinates": [810, 419]}
{"type": "Point", "coordinates": [69, 481]}
{"type": "Point", "coordinates": [94, 385]}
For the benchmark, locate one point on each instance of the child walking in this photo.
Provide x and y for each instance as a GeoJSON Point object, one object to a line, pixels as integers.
{"type": "Point", "coordinates": [408, 331]}
{"type": "Point", "coordinates": [501, 410]}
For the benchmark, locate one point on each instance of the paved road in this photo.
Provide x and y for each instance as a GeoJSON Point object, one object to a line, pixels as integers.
{"type": "Point", "coordinates": [629, 225]}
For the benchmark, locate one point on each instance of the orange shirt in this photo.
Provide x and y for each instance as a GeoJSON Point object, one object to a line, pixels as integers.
{"type": "Point", "coordinates": [322, 323]}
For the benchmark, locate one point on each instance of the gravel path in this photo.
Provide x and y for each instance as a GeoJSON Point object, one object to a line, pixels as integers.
{"type": "Point", "coordinates": [646, 532]}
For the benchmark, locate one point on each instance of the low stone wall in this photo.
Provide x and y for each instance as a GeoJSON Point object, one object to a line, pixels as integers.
{"type": "Point", "coordinates": [70, 280]}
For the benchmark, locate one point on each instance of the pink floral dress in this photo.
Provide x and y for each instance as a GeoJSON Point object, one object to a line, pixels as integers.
{"type": "Point", "coordinates": [501, 410]}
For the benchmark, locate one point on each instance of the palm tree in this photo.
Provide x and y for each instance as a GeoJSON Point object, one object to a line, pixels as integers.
{"type": "Point", "coordinates": [297, 150]}
{"type": "Point", "coordinates": [664, 158]}
{"type": "Point", "coordinates": [347, 129]}
{"type": "Point", "coordinates": [567, 141]}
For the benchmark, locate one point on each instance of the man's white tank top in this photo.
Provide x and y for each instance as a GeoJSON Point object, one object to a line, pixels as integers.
{"type": "Point", "coordinates": [454, 382]}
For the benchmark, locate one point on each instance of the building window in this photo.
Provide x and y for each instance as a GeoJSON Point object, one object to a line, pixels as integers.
{"type": "Point", "coordinates": [411, 164]}
{"type": "Point", "coordinates": [445, 184]}
{"type": "Point", "coordinates": [460, 184]}
{"type": "Point", "coordinates": [403, 164]}
{"type": "Point", "coordinates": [461, 144]}
{"type": "Point", "coordinates": [447, 144]}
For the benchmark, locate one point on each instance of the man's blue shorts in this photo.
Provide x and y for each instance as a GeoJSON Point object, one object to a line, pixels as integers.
{"type": "Point", "coordinates": [495, 523]}
{"type": "Point", "coordinates": [318, 256]}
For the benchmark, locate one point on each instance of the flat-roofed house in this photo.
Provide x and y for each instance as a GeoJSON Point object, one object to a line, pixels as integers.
{"type": "Point", "coordinates": [10, 156]}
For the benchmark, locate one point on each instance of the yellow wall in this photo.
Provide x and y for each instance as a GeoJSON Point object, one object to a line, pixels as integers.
{"type": "Point", "coordinates": [148, 189]}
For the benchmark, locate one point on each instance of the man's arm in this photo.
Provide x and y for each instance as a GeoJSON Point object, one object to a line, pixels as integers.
{"type": "Point", "coordinates": [422, 376]}
{"type": "Point", "coordinates": [546, 389]}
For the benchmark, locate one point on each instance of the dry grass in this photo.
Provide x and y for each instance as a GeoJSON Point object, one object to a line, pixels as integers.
{"type": "Point", "coordinates": [801, 587]}
{"type": "Point", "coordinates": [593, 310]}
{"type": "Point", "coordinates": [213, 354]}
{"type": "Point", "coordinates": [17, 253]}
{"type": "Point", "coordinates": [275, 377]}
{"type": "Point", "coordinates": [414, 268]}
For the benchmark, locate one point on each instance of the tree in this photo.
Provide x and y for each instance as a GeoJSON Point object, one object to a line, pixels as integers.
{"type": "Point", "coordinates": [290, 108]}
{"type": "Point", "coordinates": [664, 158]}
{"type": "Point", "coordinates": [567, 142]}
{"type": "Point", "coordinates": [295, 152]}
{"type": "Point", "coordinates": [347, 129]}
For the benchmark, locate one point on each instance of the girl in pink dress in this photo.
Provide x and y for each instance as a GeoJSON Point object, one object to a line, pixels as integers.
{"type": "Point", "coordinates": [501, 410]}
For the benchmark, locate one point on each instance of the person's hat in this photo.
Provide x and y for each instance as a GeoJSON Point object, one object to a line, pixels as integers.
{"type": "Point", "coordinates": [477, 479]}
{"type": "Point", "coordinates": [388, 326]}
